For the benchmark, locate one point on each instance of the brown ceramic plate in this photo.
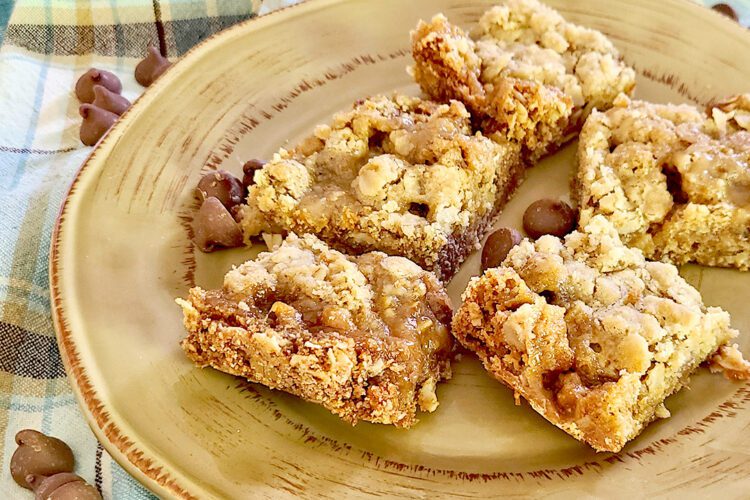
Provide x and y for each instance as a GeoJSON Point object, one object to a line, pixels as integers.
{"type": "Point", "coordinates": [121, 253]}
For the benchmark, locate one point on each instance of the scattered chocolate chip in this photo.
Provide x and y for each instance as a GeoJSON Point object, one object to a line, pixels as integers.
{"type": "Point", "coordinates": [85, 84]}
{"type": "Point", "coordinates": [221, 185]}
{"type": "Point", "coordinates": [548, 216]}
{"type": "Point", "coordinates": [248, 171]}
{"type": "Point", "coordinates": [39, 454]}
{"type": "Point", "coordinates": [498, 245]}
{"type": "Point", "coordinates": [151, 67]}
{"type": "Point", "coordinates": [420, 209]}
{"type": "Point", "coordinates": [96, 122]}
{"type": "Point", "coordinates": [63, 486]}
{"type": "Point", "coordinates": [108, 100]}
{"type": "Point", "coordinates": [727, 10]}
{"type": "Point", "coordinates": [213, 226]}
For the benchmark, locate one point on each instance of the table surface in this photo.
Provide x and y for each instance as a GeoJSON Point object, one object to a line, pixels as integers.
{"type": "Point", "coordinates": [44, 47]}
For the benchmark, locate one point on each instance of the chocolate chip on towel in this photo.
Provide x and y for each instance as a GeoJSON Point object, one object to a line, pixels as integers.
{"type": "Point", "coordinates": [151, 67]}
{"type": "Point", "coordinates": [96, 122]}
{"type": "Point", "coordinates": [87, 81]}
{"type": "Point", "coordinates": [108, 100]}
{"type": "Point", "coordinates": [62, 486]}
{"type": "Point", "coordinates": [39, 454]}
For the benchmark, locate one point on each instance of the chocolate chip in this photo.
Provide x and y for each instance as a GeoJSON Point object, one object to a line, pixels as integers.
{"type": "Point", "coordinates": [498, 245]}
{"type": "Point", "coordinates": [39, 454]}
{"type": "Point", "coordinates": [214, 227]}
{"type": "Point", "coordinates": [151, 67]}
{"type": "Point", "coordinates": [87, 81]}
{"type": "Point", "coordinates": [63, 486]}
{"type": "Point", "coordinates": [108, 100]}
{"type": "Point", "coordinates": [548, 216]}
{"type": "Point", "coordinates": [248, 171]}
{"type": "Point", "coordinates": [420, 209]}
{"type": "Point", "coordinates": [96, 122]}
{"type": "Point", "coordinates": [221, 185]}
{"type": "Point", "coordinates": [727, 10]}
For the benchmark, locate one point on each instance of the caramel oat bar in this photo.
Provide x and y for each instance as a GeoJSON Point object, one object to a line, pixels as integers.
{"type": "Point", "coordinates": [396, 174]}
{"type": "Point", "coordinates": [591, 334]}
{"type": "Point", "coordinates": [523, 71]}
{"type": "Point", "coordinates": [673, 180]}
{"type": "Point", "coordinates": [367, 337]}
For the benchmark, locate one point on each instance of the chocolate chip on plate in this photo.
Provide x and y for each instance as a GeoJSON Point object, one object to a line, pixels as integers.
{"type": "Point", "coordinates": [727, 10]}
{"type": "Point", "coordinates": [547, 216]}
{"type": "Point", "coordinates": [96, 122]}
{"type": "Point", "coordinates": [86, 83]}
{"type": "Point", "coordinates": [498, 245]}
{"type": "Point", "coordinates": [108, 100]}
{"type": "Point", "coordinates": [62, 486]}
{"type": "Point", "coordinates": [222, 185]}
{"type": "Point", "coordinates": [248, 171]}
{"type": "Point", "coordinates": [214, 227]}
{"type": "Point", "coordinates": [39, 454]}
{"type": "Point", "coordinates": [151, 67]}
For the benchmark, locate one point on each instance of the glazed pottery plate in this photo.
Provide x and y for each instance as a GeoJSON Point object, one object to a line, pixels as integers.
{"type": "Point", "coordinates": [122, 253]}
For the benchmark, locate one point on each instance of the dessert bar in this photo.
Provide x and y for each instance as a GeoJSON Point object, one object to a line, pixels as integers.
{"type": "Point", "coordinates": [523, 71]}
{"type": "Point", "coordinates": [396, 174]}
{"type": "Point", "coordinates": [590, 333]}
{"type": "Point", "coordinates": [673, 180]}
{"type": "Point", "coordinates": [367, 337]}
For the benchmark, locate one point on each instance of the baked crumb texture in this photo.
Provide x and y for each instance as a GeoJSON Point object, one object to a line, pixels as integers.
{"type": "Point", "coordinates": [396, 174]}
{"type": "Point", "coordinates": [523, 72]}
{"type": "Point", "coordinates": [367, 337]}
{"type": "Point", "coordinates": [590, 333]}
{"type": "Point", "coordinates": [672, 179]}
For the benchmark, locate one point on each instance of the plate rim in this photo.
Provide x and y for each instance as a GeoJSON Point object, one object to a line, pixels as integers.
{"type": "Point", "coordinates": [148, 469]}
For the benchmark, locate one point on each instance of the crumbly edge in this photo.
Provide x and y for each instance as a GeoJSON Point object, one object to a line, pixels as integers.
{"type": "Point", "coordinates": [366, 337]}
{"type": "Point", "coordinates": [501, 309]}
{"type": "Point", "coordinates": [449, 64]}
{"type": "Point", "coordinates": [446, 67]}
{"type": "Point", "coordinates": [434, 246]}
{"type": "Point", "coordinates": [329, 369]}
{"type": "Point", "coordinates": [681, 232]}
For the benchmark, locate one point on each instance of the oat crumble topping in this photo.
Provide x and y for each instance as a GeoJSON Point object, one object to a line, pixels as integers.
{"type": "Point", "coordinates": [523, 71]}
{"type": "Point", "coordinates": [671, 178]}
{"type": "Point", "coordinates": [590, 333]}
{"type": "Point", "coordinates": [396, 174]}
{"type": "Point", "coordinates": [367, 337]}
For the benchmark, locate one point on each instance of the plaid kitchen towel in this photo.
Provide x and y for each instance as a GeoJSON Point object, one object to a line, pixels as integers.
{"type": "Point", "coordinates": [45, 46]}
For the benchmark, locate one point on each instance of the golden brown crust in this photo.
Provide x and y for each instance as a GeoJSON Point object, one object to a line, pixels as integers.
{"type": "Point", "coordinates": [590, 333]}
{"type": "Point", "coordinates": [524, 72]}
{"type": "Point", "coordinates": [367, 337]}
{"type": "Point", "coordinates": [396, 174]}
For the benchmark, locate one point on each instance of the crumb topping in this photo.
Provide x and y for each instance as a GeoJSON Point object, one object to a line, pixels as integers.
{"type": "Point", "coordinates": [397, 174]}
{"type": "Point", "coordinates": [368, 337]}
{"type": "Point", "coordinates": [591, 333]}
{"type": "Point", "coordinates": [669, 177]}
{"type": "Point", "coordinates": [524, 72]}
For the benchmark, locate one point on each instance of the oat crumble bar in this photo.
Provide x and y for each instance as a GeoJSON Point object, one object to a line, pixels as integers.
{"type": "Point", "coordinates": [523, 71]}
{"type": "Point", "coordinates": [591, 334]}
{"type": "Point", "coordinates": [396, 174]}
{"type": "Point", "coordinates": [672, 179]}
{"type": "Point", "coordinates": [367, 337]}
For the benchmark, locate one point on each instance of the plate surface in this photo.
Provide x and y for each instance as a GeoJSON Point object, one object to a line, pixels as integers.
{"type": "Point", "coordinates": [121, 253]}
